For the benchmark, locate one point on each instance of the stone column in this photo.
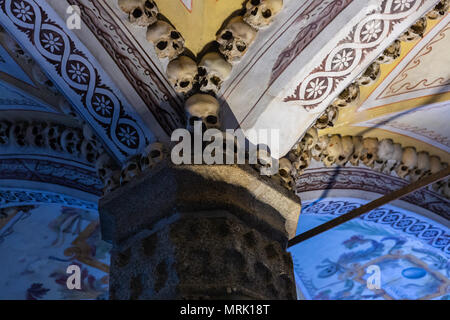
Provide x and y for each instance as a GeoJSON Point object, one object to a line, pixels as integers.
{"type": "Point", "coordinates": [200, 232]}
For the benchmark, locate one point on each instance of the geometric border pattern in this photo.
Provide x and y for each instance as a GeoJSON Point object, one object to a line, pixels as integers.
{"type": "Point", "coordinates": [51, 172]}
{"type": "Point", "coordinates": [21, 197]}
{"type": "Point", "coordinates": [144, 76]}
{"type": "Point", "coordinates": [350, 52]}
{"type": "Point", "coordinates": [434, 236]}
{"type": "Point", "coordinates": [356, 178]}
{"type": "Point", "coordinates": [76, 71]}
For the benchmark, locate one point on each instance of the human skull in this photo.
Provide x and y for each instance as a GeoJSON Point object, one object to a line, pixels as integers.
{"type": "Point", "coordinates": [168, 42]}
{"type": "Point", "coordinates": [103, 166]}
{"type": "Point", "coordinates": [260, 13]}
{"type": "Point", "coordinates": [111, 182]}
{"type": "Point", "coordinates": [435, 166]}
{"type": "Point", "coordinates": [52, 135]}
{"type": "Point", "coordinates": [140, 12]}
{"type": "Point", "coordinates": [348, 97]}
{"type": "Point", "coordinates": [264, 161]}
{"type": "Point", "coordinates": [89, 150]}
{"type": "Point", "coordinates": [302, 162]}
{"type": "Point", "coordinates": [328, 118]}
{"type": "Point", "coordinates": [396, 158]}
{"type": "Point", "coordinates": [423, 166]}
{"type": "Point", "coordinates": [235, 39]}
{"type": "Point", "coordinates": [370, 76]}
{"type": "Point", "coordinates": [370, 150]}
{"type": "Point", "coordinates": [35, 134]}
{"type": "Point", "coordinates": [213, 70]}
{"type": "Point", "coordinates": [439, 10]}
{"type": "Point", "coordinates": [409, 162]}
{"type": "Point", "coordinates": [334, 149]}
{"type": "Point", "coordinates": [445, 189]}
{"type": "Point", "coordinates": [358, 150]}
{"type": "Point", "coordinates": [391, 53]}
{"type": "Point", "coordinates": [347, 150]}
{"type": "Point", "coordinates": [71, 141]}
{"type": "Point", "coordinates": [205, 108]}
{"type": "Point", "coordinates": [384, 154]}
{"type": "Point", "coordinates": [319, 150]}
{"type": "Point", "coordinates": [416, 31]}
{"type": "Point", "coordinates": [129, 171]}
{"type": "Point", "coordinates": [310, 139]}
{"type": "Point", "coordinates": [285, 168]}
{"type": "Point", "coordinates": [18, 133]}
{"type": "Point", "coordinates": [4, 132]}
{"type": "Point", "coordinates": [152, 155]}
{"type": "Point", "coordinates": [181, 73]}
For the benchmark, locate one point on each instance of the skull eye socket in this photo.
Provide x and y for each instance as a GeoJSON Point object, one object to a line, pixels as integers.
{"type": "Point", "coordinates": [369, 156]}
{"type": "Point", "coordinates": [267, 14]}
{"type": "Point", "coordinates": [255, 2]}
{"type": "Point", "coordinates": [341, 158]}
{"type": "Point", "coordinates": [149, 4]}
{"type": "Point", "coordinates": [162, 45]}
{"type": "Point", "coordinates": [184, 84]}
{"type": "Point", "coordinates": [174, 35]}
{"type": "Point", "coordinates": [211, 119]}
{"type": "Point", "coordinates": [227, 35]}
{"type": "Point", "coordinates": [418, 171]}
{"type": "Point", "coordinates": [404, 168]}
{"type": "Point", "coordinates": [137, 13]}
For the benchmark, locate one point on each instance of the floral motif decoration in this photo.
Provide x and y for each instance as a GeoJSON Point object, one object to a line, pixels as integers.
{"type": "Point", "coordinates": [52, 42]}
{"type": "Point", "coordinates": [351, 51]}
{"type": "Point", "coordinates": [23, 11]}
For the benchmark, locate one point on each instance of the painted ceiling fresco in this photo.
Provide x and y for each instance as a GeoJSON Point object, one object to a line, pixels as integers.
{"type": "Point", "coordinates": [411, 97]}
{"type": "Point", "coordinates": [411, 251]}
{"type": "Point", "coordinates": [34, 263]}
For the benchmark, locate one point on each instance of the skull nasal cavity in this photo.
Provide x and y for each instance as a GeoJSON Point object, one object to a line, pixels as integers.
{"type": "Point", "coordinates": [137, 13]}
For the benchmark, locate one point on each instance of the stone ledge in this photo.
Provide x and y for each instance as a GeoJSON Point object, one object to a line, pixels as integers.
{"type": "Point", "coordinates": [167, 189]}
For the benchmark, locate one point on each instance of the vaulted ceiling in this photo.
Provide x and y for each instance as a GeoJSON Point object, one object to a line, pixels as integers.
{"type": "Point", "coordinates": [410, 102]}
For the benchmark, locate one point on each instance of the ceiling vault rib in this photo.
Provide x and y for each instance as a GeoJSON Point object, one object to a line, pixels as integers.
{"type": "Point", "coordinates": [370, 206]}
